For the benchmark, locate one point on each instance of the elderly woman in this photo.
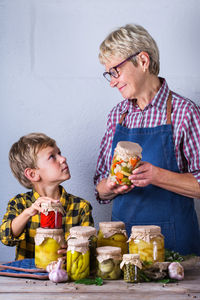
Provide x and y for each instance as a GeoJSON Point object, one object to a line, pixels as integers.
{"type": "Point", "coordinates": [166, 125]}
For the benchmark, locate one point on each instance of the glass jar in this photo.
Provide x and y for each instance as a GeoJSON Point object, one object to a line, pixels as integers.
{"type": "Point", "coordinates": [108, 262]}
{"type": "Point", "coordinates": [148, 242]}
{"type": "Point", "coordinates": [126, 158]}
{"type": "Point", "coordinates": [90, 233]}
{"type": "Point", "coordinates": [131, 266]}
{"type": "Point", "coordinates": [51, 217]}
{"type": "Point", "coordinates": [47, 243]}
{"type": "Point", "coordinates": [78, 259]}
{"type": "Point", "coordinates": [113, 234]}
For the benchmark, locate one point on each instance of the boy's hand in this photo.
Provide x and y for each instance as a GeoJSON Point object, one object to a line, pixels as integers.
{"type": "Point", "coordinates": [36, 208]}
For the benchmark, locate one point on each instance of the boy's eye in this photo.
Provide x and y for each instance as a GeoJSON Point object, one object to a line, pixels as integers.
{"type": "Point", "coordinates": [52, 156]}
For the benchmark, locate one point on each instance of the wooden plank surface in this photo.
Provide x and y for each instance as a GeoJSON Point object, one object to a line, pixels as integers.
{"type": "Point", "coordinates": [12, 288]}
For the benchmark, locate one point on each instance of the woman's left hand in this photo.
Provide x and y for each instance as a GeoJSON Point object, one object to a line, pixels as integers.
{"type": "Point", "coordinates": [144, 175]}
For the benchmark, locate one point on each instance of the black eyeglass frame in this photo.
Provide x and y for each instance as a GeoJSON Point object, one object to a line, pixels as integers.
{"type": "Point", "coordinates": [117, 66]}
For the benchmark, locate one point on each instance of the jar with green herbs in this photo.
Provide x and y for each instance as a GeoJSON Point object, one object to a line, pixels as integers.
{"type": "Point", "coordinates": [78, 259]}
{"type": "Point", "coordinates": [113, 234]}
{"type": "Point", "coordinates": [108, 262]}
{"type": "Point", "coordinates": [89, 233]}
{"type": "Point", "coordinates": [148, 242]}
{"type": "Point", "coordinates": [131, 266]}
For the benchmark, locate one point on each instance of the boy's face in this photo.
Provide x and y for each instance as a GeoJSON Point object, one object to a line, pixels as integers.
{"type": "Point", "coordinates": [52, 166]}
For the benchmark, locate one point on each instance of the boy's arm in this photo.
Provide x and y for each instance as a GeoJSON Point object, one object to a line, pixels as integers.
{"type": "Point", "coordinates": [15, 207]}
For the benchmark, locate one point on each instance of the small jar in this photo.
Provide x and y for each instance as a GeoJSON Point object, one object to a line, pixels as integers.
{"type": "Point", "coordinates": [148, 242]}
{"type": "Point", "coordinates": [108, 262]}
{"type": "Point", "coordinates": [113, 234]}
{"type": "Point", "coordinates": [131, 266]}
{"type": "Point", "coordinates": [78, 259]}
{"type": "Point", "coordinates": [127, 157]}
{"type": "Point", "coordinates": [51, 217]}
{"type": "Point", "coordinates": [47, 243]}
{"type": "Point", "coordinates": [89, 233]}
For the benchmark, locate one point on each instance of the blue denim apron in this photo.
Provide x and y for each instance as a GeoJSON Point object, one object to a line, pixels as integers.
{"type": "Point", "coordinates": [151, 205]}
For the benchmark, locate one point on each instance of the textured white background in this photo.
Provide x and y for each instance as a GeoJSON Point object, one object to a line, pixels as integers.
{"type": "Point", "coordinates": [51, 80]}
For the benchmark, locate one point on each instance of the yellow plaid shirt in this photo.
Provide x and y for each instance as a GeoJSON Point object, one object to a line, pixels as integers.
{"type": "Point", "coordinates": [78, 212]}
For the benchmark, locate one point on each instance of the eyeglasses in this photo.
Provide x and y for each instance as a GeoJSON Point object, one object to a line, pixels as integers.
{"type": "Point", "coordinates": [114, 72]}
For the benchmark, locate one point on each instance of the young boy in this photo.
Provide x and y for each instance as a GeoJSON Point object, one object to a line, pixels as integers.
{"type": "Point", "coordinates": [37, 163]}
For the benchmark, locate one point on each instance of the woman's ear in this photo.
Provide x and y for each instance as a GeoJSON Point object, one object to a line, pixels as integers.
{"type": "Point", "coordinates": [32, 174]}
{"type": "Point", "coordinates": [144, 60]}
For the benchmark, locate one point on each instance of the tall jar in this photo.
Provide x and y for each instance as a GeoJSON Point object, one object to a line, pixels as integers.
{"type": "Point", "coordinates": [131, 266]}
{"type": "Point", "coordinates": [78, 259]}
{"type": "Point", "coordinates": [108, 262]}
{"type": "Point", "coordinates": [47, 243]}
{"type": "Point", "coordinates": [148, 242]}
{"type": "Point", "coordinates": [90, 233]}
{"type": "Point", "coordinates": [51, 217]}
{"type": "Point", "coordinates": [113, 234]}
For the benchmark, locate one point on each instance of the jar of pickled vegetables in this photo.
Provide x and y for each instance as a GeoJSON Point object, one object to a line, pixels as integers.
{"type": "Point", "coordinates": [126, 158]}
{"type": "Point", "coordinates": [108, 262]}
{"type": "Point", "coordinates": [131, 266]}
{"type": "Point", "coordinates": [113, 234]}
{"type": "Point", "coordinates": [90, 233]}
{"type": "Point", "coordinates": [47, 243]}
{"type": "Point", "coordinates": [148, 242]}
{"type": "Point", "coordinates": [51, 217]}
{"type": "Point", "coordinates": [78, 259]}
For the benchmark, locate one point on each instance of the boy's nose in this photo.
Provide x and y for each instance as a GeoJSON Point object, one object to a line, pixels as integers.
{"type": "Point", "coordinates": [62, 159]}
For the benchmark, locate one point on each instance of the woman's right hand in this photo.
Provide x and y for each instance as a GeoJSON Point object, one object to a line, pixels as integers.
{"type": "Point", "coordinates": [108, 189]}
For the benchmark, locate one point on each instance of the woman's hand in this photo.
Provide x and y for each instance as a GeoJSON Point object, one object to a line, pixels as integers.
{"type": "Point", "coordinates": [144, 175]}
{"type": "Point", "coordinates": [108, 189]}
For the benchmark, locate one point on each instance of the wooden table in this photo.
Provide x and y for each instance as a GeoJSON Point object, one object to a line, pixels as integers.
{"type": "Point", "coordinates": [12, 288]}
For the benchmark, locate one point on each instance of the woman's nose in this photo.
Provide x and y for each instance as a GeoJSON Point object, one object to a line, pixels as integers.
{"type": "Point", "coordinates": [113, 82]}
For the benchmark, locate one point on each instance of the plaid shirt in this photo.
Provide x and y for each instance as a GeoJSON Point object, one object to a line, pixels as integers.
{"type": "Point", "coordinates": [78, 212]}
{"type": "Point", "coordinates": [185, 120]}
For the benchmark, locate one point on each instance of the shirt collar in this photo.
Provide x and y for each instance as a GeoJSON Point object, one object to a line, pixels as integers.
{"type": "Point", "coordinates": [63, 193]}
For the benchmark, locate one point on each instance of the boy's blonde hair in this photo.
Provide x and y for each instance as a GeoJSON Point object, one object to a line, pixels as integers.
{"type": "Point", "coordinates": [128, 40]}
{"type": "Point", "coordinates": [23, 154]}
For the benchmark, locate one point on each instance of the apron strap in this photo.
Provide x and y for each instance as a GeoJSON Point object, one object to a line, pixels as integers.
{"type": "Point", "coordinates": [169, 108]}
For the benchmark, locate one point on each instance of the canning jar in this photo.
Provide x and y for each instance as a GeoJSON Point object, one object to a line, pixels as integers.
{"type": "Point", "coordinates": [127, 157]}
{"type": "Point", "coordinates": [78, 259]}
{"type": "Point", "coordinates": [51, 217]}
{"type": "Point", "coordinates": [148, 242]}
{"type": "Point", "coordinates": [47, 243]}
{"type": "Point", "coordinates": [90, 233]}
{"type": "Point", "coordinates": [108, 262]}
{"type": "Point", "coordinates": [113, 234]}
{"type": "Point", "coordinates": [131, 266]}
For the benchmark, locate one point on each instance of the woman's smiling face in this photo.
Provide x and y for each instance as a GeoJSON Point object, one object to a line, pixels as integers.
{"type": "Point", "coordinates": [131, 78]}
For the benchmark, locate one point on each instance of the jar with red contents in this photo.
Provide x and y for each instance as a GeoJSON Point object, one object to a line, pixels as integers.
{"type": "Point", "coordinates": [52, 214]}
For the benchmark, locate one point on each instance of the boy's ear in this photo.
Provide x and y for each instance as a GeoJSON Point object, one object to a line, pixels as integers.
{"type": "Point", "coordinates": [32, 174]}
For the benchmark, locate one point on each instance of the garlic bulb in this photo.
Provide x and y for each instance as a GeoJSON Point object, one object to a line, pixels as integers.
{"type": "Point", "coordinates": [176, 271]}
{"type": "Point", "coordinates": [58, 274]}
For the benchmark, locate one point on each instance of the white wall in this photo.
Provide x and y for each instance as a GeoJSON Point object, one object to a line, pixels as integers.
{"type": "Point", "coordinates": [51, 80]}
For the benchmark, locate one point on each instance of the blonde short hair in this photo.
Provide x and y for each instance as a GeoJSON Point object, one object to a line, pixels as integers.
{"type": "Point", "coordinates": [128, 40]}
{"type": "Point", "coordinates": [23, 154]}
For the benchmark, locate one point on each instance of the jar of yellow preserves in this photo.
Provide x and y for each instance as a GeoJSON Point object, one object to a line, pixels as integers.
{"type": "Point", "coordinates": [113, 234]}
{"type": "Point", "coordinates": [47, 243]}
{"type": "Point", "coordinates": [108, 262]}
{"type": "Point", "coordinates": [78, 259]}
{"type": "Point", "coordinates": [131, 266]}
{"type": "Point", "coordinates": [89, 233]}
{"type": "Point", "coordinates": [148, 242]}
